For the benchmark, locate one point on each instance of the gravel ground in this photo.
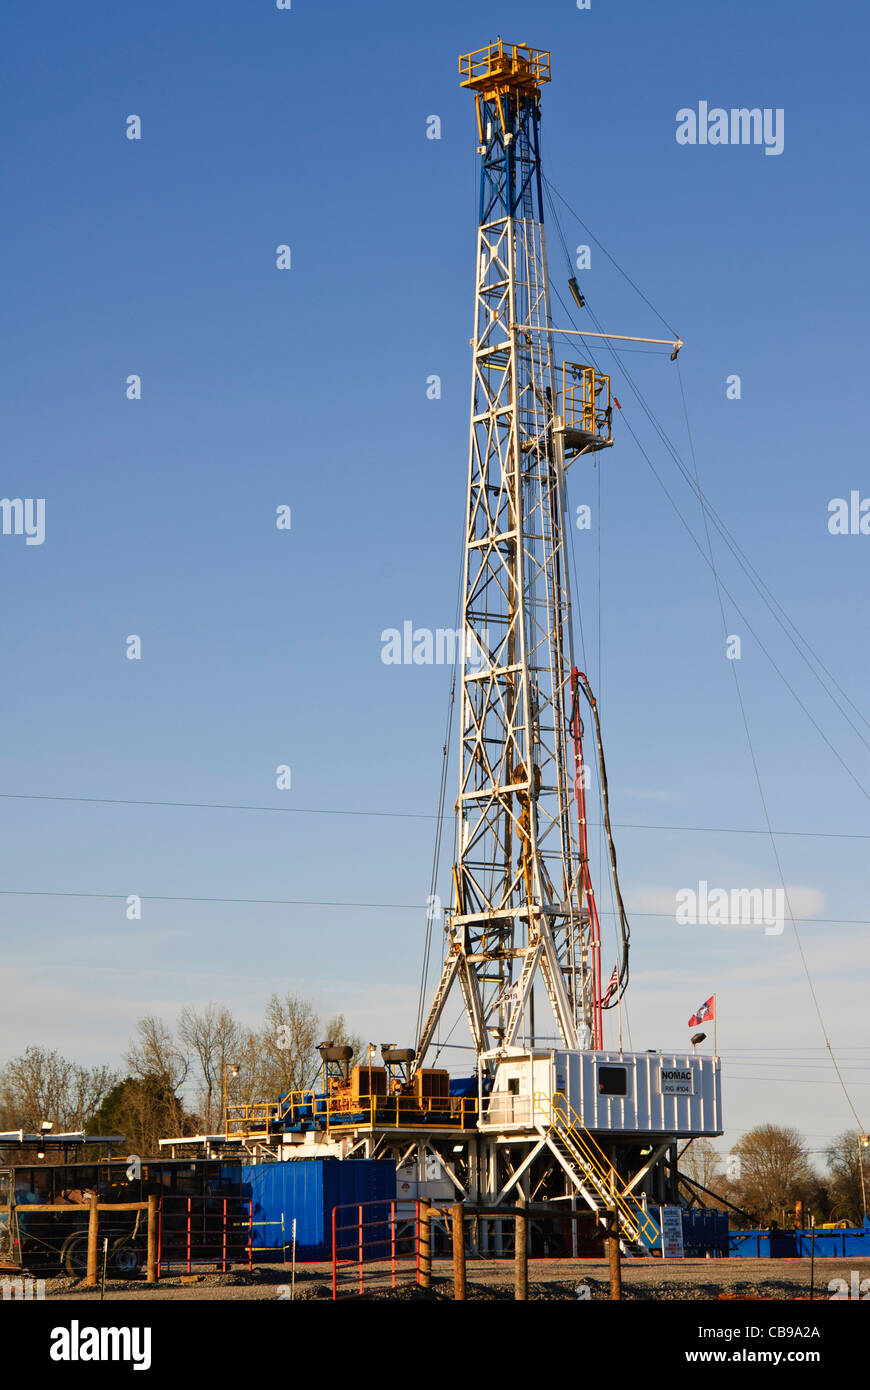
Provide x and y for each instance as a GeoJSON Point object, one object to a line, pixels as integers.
{"type": "Point", "coordinates": [643, 1281]}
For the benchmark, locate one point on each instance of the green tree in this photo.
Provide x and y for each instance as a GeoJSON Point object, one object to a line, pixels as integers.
{"type": "Point", "coordinates": [143, 1110]}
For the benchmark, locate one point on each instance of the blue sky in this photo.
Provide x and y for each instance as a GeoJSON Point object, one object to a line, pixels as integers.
{"type": "Point", "coordinates": [308, 388]}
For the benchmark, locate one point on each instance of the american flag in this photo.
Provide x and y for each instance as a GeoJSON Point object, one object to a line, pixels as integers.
{"type": "Point", "coordinates": [611, 988]}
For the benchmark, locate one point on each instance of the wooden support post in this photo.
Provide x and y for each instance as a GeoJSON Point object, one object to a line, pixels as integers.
{"type": "Point", "coordinates": [457, 1214]}
{"type": "Point", "coordinates": [615, 1254]}
{"type": "Point", "coordinates": [93, 1229]}
{"type": "Point", "coordinates": [424, 1265]}
{"type": "Point", "coordinates": [151, 1265]}
{"type": "Point", "coordinates": [521, 1256]}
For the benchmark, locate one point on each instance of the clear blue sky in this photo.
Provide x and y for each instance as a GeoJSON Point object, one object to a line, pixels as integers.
{"type": "Point", "coordinates": [308, 387]}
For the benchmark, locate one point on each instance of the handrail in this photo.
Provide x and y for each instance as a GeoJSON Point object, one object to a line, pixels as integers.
{"type": "Point", "coordinates": [338, 1111]}
{"type": "Point", "coordinates": [568, 1125]}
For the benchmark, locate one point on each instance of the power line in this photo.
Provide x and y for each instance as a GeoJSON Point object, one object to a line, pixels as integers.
{"type": "Point", "coordinates": [219, 806]}
{"type": "Point", "coordinates": [408, 815]}
{"type": "Point", "coordinates": [734, 830]}
{"type": "Point", "coordinates": [799, 1081]}
{"type": "Point", "coordinates": [189, 898]}
{"type": "Point", "coordinates": [794, 1065]}
{"type": "Point", "coordinates": [325, 902]}
{"type": "Point", "coordinates": [804, 1050]}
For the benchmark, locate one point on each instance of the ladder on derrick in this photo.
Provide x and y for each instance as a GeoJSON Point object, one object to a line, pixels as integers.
{"type": "Point", "coordinates": [593, 1175]}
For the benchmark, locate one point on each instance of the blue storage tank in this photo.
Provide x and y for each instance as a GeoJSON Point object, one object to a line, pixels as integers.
{"type": "Point", "coordinates": [308, 1189]}
{"type": "Point", "coordinates": [463, 1086]}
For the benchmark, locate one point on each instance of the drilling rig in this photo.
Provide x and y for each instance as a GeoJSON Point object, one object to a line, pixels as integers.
{"type": "Point", "coordinates": [522, 908]}
{"type": "Point", "coordinates": [548, 1112]}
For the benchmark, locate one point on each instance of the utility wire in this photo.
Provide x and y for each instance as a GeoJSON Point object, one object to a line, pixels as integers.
{"type": "Point", "coordinates": [719, 591]}
{"type": "Point", "coordinates": [755, 767]}
{"type": "Point", "coordinates": [218, 806]}
{"type": "Point", "coordinates": [415, 815]}
{"type": "Point", "coordinates": [768, 598]}
{"type": "Point", "coordinates": [327, 902]}
{"type": "Point", "coordinates": [704, 502]}
{"type": "Point", "coordinates": [624, 273]}
{"type": "Point", "coordinates": [436, 858]}
{"type": "Point", "coordinates": [460, 657]}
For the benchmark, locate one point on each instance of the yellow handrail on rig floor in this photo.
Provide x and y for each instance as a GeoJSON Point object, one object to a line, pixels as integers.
{"type": "Point", "coordinates": [342, 1112]}
{"type": "Point", "coordinates": [565, 1121]}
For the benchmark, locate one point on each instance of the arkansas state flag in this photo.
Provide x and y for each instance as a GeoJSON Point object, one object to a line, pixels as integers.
{"type": "Point", "coordinates": [706, 1012]}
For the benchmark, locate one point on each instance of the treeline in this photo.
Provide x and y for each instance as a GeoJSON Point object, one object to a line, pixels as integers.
{"type": "Point", "coordinates": [770, 1177]}
{"type": "Point", "coordinates": [173, 1078]}
{"type": "Point", "coordinates": [173, 1083]}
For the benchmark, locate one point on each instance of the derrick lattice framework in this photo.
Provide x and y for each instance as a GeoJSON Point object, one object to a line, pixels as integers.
{"type": "Point", "coordinates": [519, 910]}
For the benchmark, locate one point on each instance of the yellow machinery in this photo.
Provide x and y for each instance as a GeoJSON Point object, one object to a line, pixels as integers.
{"type": "Point", "coordinates": [503, 70]}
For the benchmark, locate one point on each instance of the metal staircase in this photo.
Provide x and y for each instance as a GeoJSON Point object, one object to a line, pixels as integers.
{"type": "Point", "coordinates": [593, 1175]}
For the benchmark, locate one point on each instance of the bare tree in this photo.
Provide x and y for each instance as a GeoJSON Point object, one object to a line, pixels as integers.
{"type": "Point", "coordinates": [251, 1084]}
{"type": "Point", "coordinates": [847, 1193]}
{"type": "Point", "coordinates": [214, 1037]}
{"type": "Point", "coordinates": [282, 1056]}
{"type": "Point", "coordinates": [336, 1031]}
{"type": "Point", "coordinates": [156, 1058]}
{"type": "Point", "coordinates": [155, 1053]}
{"type": "Point", "coordinates": [162, 1066]}
{"type": "Point", "coordinates": [289, 1044]}
{"type": "Point", "coordinates": [775, 1172]}
{"type": "Point", "coordinates": [42, 1085]}
{"type": "Point", "coordinates": [701, 1162]}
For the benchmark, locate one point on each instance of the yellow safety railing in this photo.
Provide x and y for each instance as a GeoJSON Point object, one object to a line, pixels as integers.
{"type": "Point", "coordinates": [506, 64]}
{"type": "Point", "coordinates": [592, 1158]}
{"type": "Point", "coordinates": [405, 1112]}
{"type": "Point", "coordinates": [250, 1121]}
{"type": "Point", "coordinates": [586, 402]}
{"type": "Point", "coordinates": [341, 1111]}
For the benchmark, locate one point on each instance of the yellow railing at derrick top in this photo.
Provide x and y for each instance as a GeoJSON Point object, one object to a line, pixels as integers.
{"type": "Point", "coordinates": [607, 1181]}
{"type": "Point", "coordinates": [342, 1111]}
{"type": "Point", "coordinates": [503, 65]}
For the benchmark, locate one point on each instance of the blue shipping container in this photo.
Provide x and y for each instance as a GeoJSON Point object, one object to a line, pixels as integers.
{"type": "Point", "coordinates": [308, 1189]}
{"type": "Point", "coordinates": [838, 1243]}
